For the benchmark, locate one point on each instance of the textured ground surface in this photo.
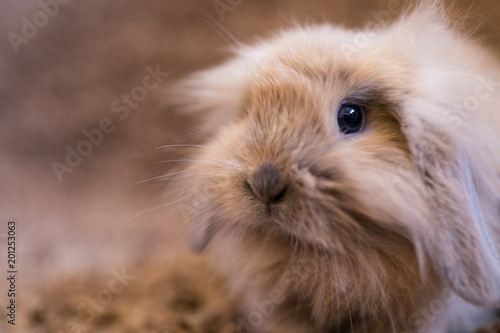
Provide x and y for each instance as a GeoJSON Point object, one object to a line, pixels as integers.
{"type": "Point", "coordinates": [73, 234]}
{"type": "Point", "coordinates": [175, 294]}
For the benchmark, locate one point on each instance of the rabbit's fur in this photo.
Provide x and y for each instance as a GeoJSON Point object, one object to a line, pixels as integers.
{"type": "Point", "coordinates": [392, 229]}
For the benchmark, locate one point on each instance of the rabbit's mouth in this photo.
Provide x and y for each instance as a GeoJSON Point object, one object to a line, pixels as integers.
{"type": "Point", "coordinates": [296, 200]}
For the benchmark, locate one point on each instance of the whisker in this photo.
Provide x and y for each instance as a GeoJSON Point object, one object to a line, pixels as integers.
{"type": "Point", "coordinates": [184, 160]}
{"type": "Point", "coordinates": [151, 179]}
{"type": "Point", "coordinates": [164, 205]}
{"type": "Point", "coordinates": [199, 134]}
{"type": "Point", "coordinates": [181, 145]}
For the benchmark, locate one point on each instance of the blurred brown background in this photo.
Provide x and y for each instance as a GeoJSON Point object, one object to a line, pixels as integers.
{"type": "Point", "coordinates": [65, 77]}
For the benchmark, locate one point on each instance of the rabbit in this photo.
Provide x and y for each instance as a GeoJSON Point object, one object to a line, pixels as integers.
{"type": "Point", "coordinates": [352, 186]}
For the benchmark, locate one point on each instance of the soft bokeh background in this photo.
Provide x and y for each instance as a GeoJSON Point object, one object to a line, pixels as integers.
{"type": "Point", "coordinates": [64, 80]}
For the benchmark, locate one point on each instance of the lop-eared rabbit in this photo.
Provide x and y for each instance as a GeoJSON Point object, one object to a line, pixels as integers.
{"type": "Point", "coordinates": [352, 177]}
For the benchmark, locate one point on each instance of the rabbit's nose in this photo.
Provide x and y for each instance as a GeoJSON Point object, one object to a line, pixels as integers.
{"type": "Point", "coordinates": [267, 183]}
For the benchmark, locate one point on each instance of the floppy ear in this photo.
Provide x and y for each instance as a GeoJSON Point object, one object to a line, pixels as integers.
{"type": "Point", "coordinates": [456, 237]}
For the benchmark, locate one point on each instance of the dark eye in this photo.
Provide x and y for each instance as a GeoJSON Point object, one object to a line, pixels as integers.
{"type": "Point", "coordinates": [350, 118]}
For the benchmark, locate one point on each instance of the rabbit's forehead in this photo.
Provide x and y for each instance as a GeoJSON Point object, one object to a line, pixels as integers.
{"type": "Point", "coordinates": [308, 79]}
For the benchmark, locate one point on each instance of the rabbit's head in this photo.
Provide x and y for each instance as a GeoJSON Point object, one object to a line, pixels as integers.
{"type": "Point", "coordinates": [359, 156]}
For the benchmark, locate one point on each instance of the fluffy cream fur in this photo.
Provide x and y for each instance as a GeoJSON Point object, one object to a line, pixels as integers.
{"type": "Point", "coordinates": [392, 229]}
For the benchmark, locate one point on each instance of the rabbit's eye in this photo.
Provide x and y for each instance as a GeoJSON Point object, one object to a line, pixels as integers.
{"type": "Point", "coordinates": [350, 118]}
